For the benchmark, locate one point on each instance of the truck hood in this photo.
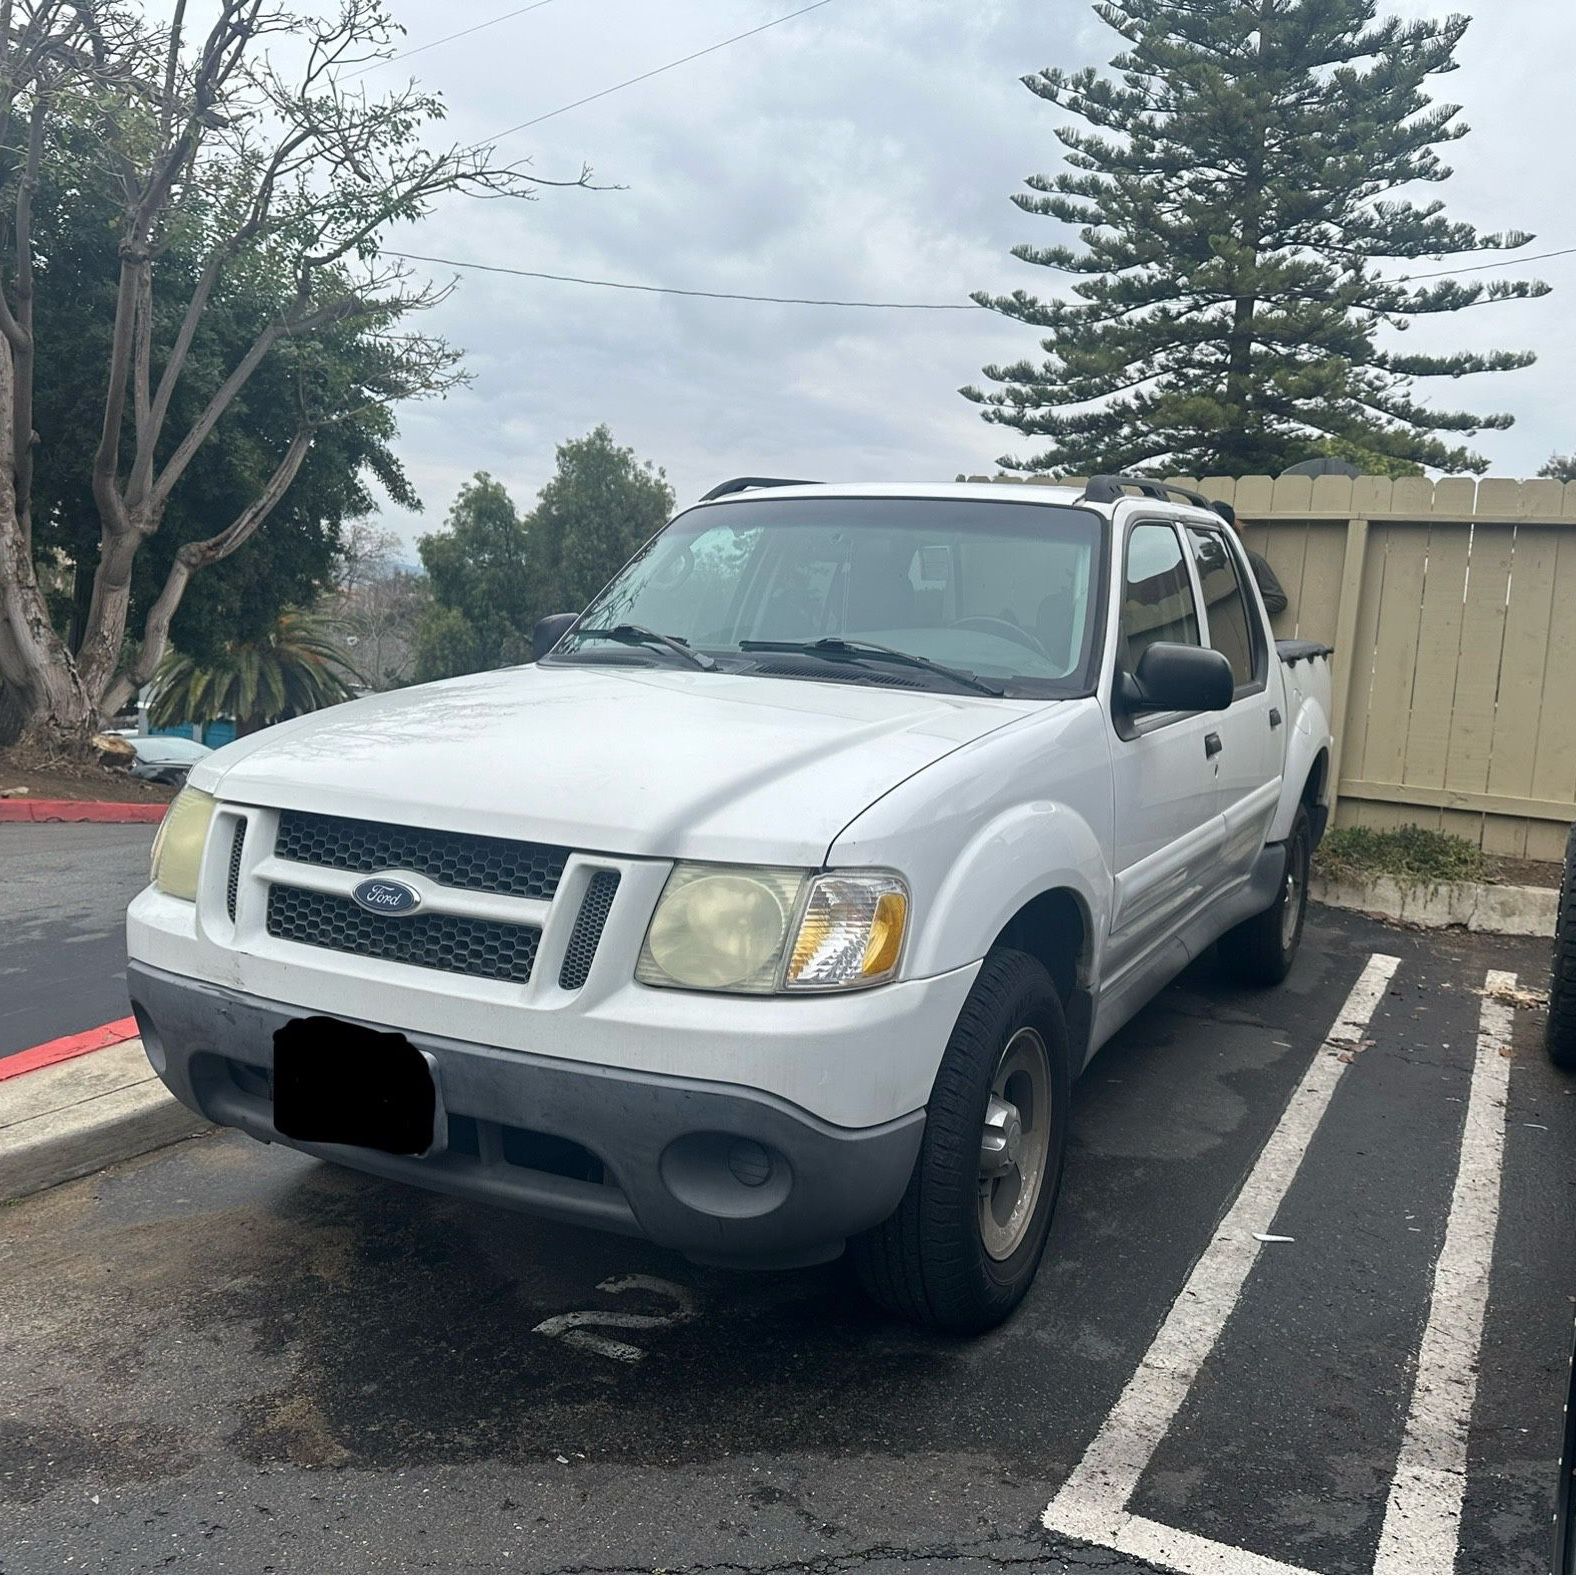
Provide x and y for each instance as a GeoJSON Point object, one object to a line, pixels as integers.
{"type": "Point", "coordinates": [643, 761]}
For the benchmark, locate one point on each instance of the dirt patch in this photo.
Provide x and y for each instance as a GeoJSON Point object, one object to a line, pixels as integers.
{"type": "Point", "coordinates": [1522, 872]}
{"type": "Point", "coordinates": [70, 780]}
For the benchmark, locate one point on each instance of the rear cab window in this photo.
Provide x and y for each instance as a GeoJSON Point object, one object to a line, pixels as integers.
{"type": "Point", "coordinates": [1232, 630]}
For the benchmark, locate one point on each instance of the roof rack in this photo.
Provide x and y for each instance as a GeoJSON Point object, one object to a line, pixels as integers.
{"type": "Point", "coordinates": [745, 483]}
{"type": "Point", "coordinates": [1108, 489]}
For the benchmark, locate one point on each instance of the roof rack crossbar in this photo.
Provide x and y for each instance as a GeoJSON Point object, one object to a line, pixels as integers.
{"type": "Point", "coordinates": [1108, 489]}
{"type": "Point", "coordinates": [744, 483]}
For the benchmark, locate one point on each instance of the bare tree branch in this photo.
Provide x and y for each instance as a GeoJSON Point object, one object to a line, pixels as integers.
{"type": "Point", "coordinates": [200, 555]}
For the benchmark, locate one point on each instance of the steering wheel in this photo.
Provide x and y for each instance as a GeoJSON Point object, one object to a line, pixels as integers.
{"type": "Point", "coordinates": [1003, 627]}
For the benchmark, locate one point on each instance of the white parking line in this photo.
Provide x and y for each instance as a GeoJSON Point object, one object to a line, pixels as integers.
{"type": "Point", "coordinates": [1422, 1521]}
{"type": "Point", "coordinates": [1092, 1504]}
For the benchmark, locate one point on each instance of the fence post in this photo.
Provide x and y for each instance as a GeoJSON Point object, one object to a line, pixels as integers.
{"type": "Point", "coordinates": [1345, 634]}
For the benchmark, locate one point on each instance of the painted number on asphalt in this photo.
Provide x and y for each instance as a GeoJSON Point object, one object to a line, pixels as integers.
{"type": "Point", "coordinates": [577, 1329]}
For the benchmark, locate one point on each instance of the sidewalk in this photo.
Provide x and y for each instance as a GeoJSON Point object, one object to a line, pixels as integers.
{"type": "Point", "coordinates": [74, 1117]}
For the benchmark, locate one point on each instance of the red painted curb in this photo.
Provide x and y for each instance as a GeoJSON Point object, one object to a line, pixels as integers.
{"type": "Point", "coordinates": [66, 1047]}
{"type": "Point", "coordinates": [79, 810]}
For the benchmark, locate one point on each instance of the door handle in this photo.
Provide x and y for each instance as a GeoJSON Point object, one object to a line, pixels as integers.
{"type": "Point", "coordinates": [1212, 745]}
{"type": "Point", "coordinates": [1275, 716]}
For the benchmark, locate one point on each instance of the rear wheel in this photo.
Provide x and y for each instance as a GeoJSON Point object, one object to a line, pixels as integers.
{"type": "Point", "coordinates": [1261, 950]}
{"type": "Point", "coordinates": [963, 1247]}
{"type": "Point", "coordinates": [1561, 1037]}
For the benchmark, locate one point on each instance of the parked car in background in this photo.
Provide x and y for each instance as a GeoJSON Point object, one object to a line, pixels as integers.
{"type": "Point", "coordinates": [165, 757]}
{"type": "Point", "coordinates": [778, 904]}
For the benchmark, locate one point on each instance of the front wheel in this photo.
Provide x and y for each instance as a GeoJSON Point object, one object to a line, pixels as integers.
{"type": "Point", "coordinates": [1261, 950]}
{"type": "Point", "coordinates": [964, 1244]}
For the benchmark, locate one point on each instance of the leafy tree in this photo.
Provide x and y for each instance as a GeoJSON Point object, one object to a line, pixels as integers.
{"type": "Point", "coordinates": [1562, 467]}
{"type": "Point", "coordinates": [317, 523]}
{"type": "Point", "coordinates": [600, 505]}
{"type": "Point", "coordinates": [298, 667]}
{"type": "Point", "coordinates": [493, 574]}
{"type": "Point", "coordinates": [480, 615]}
{"type": "Point", "coordinates": [230, 174]}
{"type": "Point", "coordinates": [1234, 184]}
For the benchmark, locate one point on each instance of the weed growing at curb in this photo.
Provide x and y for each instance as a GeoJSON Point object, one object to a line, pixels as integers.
{"type": "Point", "coordinates": [1411, 855]}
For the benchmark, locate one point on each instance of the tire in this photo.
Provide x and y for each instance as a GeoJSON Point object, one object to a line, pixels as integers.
{"type": "Point", "coordinates": [1261, 950]}
{"type": "Point", "coordinates": [959, 1253]}
{"type": "Point", "coordinates": [1561, 1035]}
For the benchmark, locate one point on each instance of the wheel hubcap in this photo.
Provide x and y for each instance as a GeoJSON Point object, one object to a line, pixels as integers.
{"type": "Point", "coordinates": [1014, 1143]}
{"type": "Point", "coordinates": [1291, 906]}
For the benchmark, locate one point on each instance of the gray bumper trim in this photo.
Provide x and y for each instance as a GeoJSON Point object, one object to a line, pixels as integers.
{"type": "Point", "coordinates": [668, 1144]}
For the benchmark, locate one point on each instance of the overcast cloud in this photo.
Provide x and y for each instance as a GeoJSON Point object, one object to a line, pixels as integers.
{"type": "Point", "coordinates": [866, 150]}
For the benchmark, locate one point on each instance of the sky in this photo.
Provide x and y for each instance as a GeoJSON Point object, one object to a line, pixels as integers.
{"type": "Point", "coordinates": [866, 150]}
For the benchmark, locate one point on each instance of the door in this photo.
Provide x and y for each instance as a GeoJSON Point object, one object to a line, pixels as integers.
{"type": "Point", "coordinates": [1252, 733]}
{"type": "Point", "coordinates": [1166, 809]}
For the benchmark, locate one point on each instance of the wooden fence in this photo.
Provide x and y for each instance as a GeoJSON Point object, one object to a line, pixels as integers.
{"type": "Point", "coordinates": [1452, 610]}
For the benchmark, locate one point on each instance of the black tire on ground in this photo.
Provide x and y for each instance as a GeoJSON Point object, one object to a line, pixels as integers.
{"type": "Point", "coordinates": [1561, 1037]}
{"type": "Point", "coordinates": [1261, 950]}
{"type": "Point", "coordinates": [928, 1262]}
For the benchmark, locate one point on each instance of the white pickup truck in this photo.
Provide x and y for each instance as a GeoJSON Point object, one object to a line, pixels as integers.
{"type": "Point", "coordinates": [778, 904]}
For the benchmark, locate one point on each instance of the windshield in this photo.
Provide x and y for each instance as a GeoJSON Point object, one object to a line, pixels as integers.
{"type": "Point", "coordinates": [1000, 590]}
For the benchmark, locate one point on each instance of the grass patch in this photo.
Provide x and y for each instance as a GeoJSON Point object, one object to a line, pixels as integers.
{"type": "Point", "coordinates": [1413, 855]}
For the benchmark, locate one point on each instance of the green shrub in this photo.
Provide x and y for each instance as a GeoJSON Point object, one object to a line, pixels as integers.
{"type": "Point", "coordinates": [1413, 855]}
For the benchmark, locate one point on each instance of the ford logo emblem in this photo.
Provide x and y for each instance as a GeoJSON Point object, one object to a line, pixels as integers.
{"type": "Point", "coordinates": [379, 895]}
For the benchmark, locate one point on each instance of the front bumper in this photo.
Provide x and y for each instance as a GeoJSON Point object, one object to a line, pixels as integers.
{"type": "Point", "coordinates": [722, 1173]}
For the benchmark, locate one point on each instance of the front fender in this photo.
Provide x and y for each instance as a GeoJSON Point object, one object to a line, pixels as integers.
{"type": "Point", "coordinates": [1025, 852]}
{"type": "Point", "coordinates": [1020, 812]}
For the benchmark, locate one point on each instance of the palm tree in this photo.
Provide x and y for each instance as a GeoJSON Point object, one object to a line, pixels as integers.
{"type": "Point", "coordinates": [299, 666]}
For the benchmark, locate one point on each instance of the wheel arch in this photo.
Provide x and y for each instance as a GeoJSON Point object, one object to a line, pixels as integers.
{"type": "Point", "coordinates": [1305, 782]}
{"type": "Point", "coordinates": [1055, 928]}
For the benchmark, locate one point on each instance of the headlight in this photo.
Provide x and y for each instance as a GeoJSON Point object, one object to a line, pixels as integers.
{"type": "Point", "coordinates": [177, 849]}
{"type": "Point", "coordinates": [756, 931]}
{"type": "Point", "coordinates": [720, 927]}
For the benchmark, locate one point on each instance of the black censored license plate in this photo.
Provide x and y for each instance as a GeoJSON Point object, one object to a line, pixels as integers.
{"type": "Point", "coordinates": [337, 1083]}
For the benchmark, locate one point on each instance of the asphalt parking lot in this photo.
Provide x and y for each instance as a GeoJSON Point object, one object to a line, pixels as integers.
{"type": "Point", "coordinates": [229, 1357]}
{"type": "Point", "coordinates": [63, 896]}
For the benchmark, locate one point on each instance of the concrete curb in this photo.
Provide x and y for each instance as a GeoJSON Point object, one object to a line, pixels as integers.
{"type": "Point", "coordinates": [101, 810]}
{"type": "Point", "coordinates": [1472, 905]}
{"type": "Point", "coordinates": [76, 1117]}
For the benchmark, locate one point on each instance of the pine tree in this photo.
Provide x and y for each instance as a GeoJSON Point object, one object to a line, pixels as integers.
{"type": "Point", "coordinates": [1244, 247]}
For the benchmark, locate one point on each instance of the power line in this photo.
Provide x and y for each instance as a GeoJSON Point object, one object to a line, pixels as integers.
{"type": "Point", "coordinates": [448, 38]}
{"type": "Point", "coordinates": [1483, 268]}
{"type": "Point", "coordinates": [776, 300]}
{"type": "Point", "coordinates": [707, 295]}
{"type": "Point", "coordinates": [656, 71]}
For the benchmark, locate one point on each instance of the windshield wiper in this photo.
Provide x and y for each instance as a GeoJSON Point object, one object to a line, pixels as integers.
{"type": "Point", "coordinates": [835, 647]}
{"type": "Point", "coordinates": [639, 635]}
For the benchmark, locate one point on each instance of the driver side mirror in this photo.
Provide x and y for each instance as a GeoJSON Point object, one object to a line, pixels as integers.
{"type": "Point", "coordinates": [548, 632]}
{"type": "Point", "coordinates": [1174, 677]}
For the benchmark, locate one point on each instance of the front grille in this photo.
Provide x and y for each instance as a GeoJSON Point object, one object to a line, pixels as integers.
{"type": "Point", "coordinates": [587, 933]}
{"type": "Point", "coordinates": [453, 859]}
{"type": "Point", "coordinates": [232, 885]}
{"type": "Point", "coordinates": [484, 948]}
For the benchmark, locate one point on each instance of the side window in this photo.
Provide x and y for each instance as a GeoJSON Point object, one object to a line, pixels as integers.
{"type": "Point", "coordinates": [1157, 596]}
{"type": "Point", "coordinates": [1225, 607]}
